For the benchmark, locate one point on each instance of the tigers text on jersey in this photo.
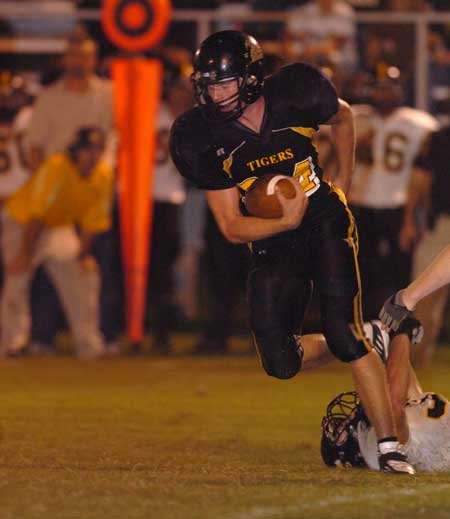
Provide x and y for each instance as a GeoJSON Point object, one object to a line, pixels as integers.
{"type": "Point", "coordinates": [382, 181]}
{"type": "Point", "coordinates": [428, 447]}
{"type": "Point", "coordinates": [297, 99]}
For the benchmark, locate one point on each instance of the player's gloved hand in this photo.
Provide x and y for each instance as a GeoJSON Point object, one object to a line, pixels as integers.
{"type": "Point", "coordinates": [394, 311]}
{"type": "Point", "coordinates": [411, 327]}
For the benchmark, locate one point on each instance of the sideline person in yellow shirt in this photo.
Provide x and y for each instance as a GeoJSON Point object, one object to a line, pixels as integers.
{"type": "Point", "coordinates": [72, 189]}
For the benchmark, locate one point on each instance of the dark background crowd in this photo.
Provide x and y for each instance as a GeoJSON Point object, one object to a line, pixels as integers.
{"type": "Point", "coordinates": [196, 278]}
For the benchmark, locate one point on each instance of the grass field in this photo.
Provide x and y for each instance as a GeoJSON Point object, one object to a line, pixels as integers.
{"type": "Point", "coordinates": [187, 438]}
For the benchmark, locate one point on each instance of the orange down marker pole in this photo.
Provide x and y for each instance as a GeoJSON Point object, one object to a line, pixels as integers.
{"type": "Point", "coordinates": [136, 25]}
{"type": "Point", "coordinates": [137, 97]}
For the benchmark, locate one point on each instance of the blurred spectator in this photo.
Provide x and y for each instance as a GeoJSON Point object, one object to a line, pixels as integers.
{"type": "Point", "coordinates": [13, 171]}
{"type": "Point", "coordinates": [15, 92]}
{"type": "Point", "coordinates": [78, 99]}
{"type": "Point", "coordinates": [21, 122]}
{"type": "Point", "coordinates": [279, 5]}
{"type": "Point", "coordinates": [225, 268]}
{"type": "Point", "coordinates": [439, 70]}
{"type": "Point", "coordinates": [389, 45]}
{"type": "Point", "coordinates": [68, 189]}
{"type": "Point", "coordinates": [430, 190]}
{"type": "Point", "coordinates": [168, 196]}
{"type": "Point", "coordinates": [190, 214]}
{"type": "Point", "coordinates": [192, 226]}
{"type": "Point", "coordinates": [405, 5]}
{"type": "Point", "coordinates": [322, 32]}
{"type": "Point", "coordinates": [389, 137]}
{"type": "Point", "coordinates": [225, 12]}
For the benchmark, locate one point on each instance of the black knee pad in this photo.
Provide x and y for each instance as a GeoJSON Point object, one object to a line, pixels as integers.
{"type": "Point", "coordinates": [342, 325]}
{"type": "Point", "coordinates": [344, 344]}
{"type": "Point", "coordinates": [279, 356]}
{"type": "Point", "coordinates": [277, 303]}
{"type": "Point", "coordinates": [284, 368]}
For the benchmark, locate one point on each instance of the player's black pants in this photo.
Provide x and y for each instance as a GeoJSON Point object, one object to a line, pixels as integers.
{"type": "Point", "coordinates": [322, 252]}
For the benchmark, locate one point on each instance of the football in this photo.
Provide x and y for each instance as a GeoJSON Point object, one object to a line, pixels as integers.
{"type": "Point", "coordinates": [261, 199]}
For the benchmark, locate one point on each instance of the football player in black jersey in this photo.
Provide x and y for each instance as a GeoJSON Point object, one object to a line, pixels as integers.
{"type": "Point", "coordinates": [245, 126]}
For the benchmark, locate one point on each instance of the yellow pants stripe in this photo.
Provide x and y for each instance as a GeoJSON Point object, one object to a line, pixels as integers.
{"type": "Point", "coordinates": [352, 240]}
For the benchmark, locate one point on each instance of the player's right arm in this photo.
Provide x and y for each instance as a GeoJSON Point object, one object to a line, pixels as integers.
{"type": "Point", "coordinates": [435, 276]}
{"type": "Point", "coordinates": [237, 228]}
{"type": "Point", "coordinates": [403, 302]}
{"type": "Point", "coordinates": [196, 158]}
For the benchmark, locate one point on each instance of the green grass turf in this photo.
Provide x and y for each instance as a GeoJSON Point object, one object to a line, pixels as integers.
{"type": "Point", "coordinates": [187, 438]}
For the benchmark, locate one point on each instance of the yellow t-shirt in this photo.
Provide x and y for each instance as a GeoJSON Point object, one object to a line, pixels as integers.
{"type": "Point", "coordinates": [58, 195]}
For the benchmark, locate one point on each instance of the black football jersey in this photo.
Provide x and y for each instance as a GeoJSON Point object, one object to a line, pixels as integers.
{"type": "Point", "coordinates": [220, 156]}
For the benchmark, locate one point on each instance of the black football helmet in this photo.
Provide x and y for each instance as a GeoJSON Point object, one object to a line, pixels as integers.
{"type": "Point", "coordinates": [224, 56]}
{"type": "Point", "coordinates": [339, 445]}
{"type": "Point", "coordinates": [87, 137]}
{"type": "Point", "coordinates": [387, 90]}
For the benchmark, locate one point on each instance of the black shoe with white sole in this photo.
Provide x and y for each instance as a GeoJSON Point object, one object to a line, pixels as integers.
{"type": "Point", "coordinates": [392, 459]}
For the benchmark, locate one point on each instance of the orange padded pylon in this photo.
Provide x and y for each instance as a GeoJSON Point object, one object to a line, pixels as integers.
{"type": "Point", "coordinates": [137, 84]}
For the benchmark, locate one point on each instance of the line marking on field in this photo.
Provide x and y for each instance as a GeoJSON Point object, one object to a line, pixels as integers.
{"type": "Point", "coordinates": [268, 512]}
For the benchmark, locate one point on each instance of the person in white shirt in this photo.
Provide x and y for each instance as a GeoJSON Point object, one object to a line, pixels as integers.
{"type": "Point", "coordinates": [13, 172]}
{"type": "Point", "coordinates": [322, 32]}
{"type": "Point", "coordinates": [389, 139]}
{"type": "Point", "coordinates": [77, 100]}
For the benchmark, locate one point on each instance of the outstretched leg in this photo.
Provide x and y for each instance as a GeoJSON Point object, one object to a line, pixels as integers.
{"type": "Point", "coordinates": [275, 319]}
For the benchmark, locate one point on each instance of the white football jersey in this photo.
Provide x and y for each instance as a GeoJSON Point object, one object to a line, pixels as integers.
{"type": "Point", "coordinates": [428, 447]}
{"type": "Point", "coordinates": [395, 143]}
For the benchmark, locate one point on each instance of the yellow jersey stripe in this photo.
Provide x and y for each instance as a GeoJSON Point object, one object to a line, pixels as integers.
{"type": "Point", "coordinates": [245, 184]}
{"type": "Point", "coordinates": [229, 160]}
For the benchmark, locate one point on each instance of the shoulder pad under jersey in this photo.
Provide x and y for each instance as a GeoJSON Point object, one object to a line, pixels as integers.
{"type": "Point", "coordinates": [194, 152]}
{"type": "Point", "coordinates": [304, 87]}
